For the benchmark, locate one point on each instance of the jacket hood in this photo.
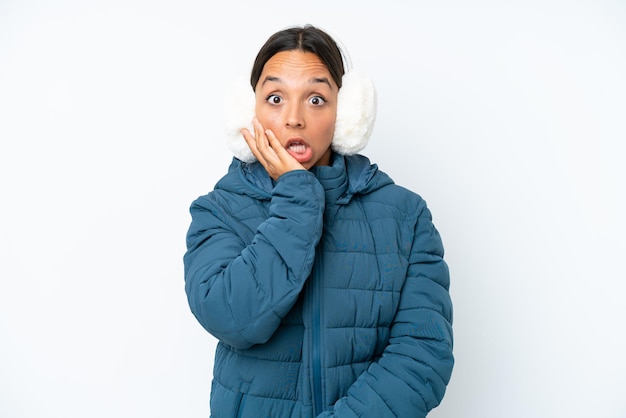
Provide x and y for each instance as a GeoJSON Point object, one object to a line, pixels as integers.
{"type": "Point", "coordinates": [346, 177]}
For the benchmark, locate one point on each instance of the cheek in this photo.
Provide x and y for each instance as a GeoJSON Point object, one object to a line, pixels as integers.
{"type": "Point", "coordinates": [329, 127]}
{"type": "Point", "coordinates": [263, 117]}
{"type": "Point", "coordinates": [267, 119]}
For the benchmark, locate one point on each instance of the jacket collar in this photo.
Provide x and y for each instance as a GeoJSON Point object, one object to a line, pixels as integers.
{"type": "Point", "coordinates": [347, 176]}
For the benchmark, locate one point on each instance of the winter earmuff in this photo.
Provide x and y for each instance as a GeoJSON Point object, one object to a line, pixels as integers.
{"type": "Point", "coordinates": [356, 114]}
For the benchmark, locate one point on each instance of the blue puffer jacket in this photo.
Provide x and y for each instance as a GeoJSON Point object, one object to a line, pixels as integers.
{"type": "Point", "coordinates": [327, 291]}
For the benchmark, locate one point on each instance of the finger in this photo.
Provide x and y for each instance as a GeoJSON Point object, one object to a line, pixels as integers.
{"type": "Point", "coordinates": [263, 145]}
{"type": "Point", "coordinates": [251, 141]}
{"type": "Point", "coordinates": [286, 161]}
{"type": "Point", "coordinates": [259, 134]}
{"type": "Point", "coordinates": [259, 148]}
{"type": "Point", "coordinates": [275, 144]}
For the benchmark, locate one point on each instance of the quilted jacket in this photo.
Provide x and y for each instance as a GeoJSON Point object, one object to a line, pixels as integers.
{"type": "Point", "coordinates": [327, 291]}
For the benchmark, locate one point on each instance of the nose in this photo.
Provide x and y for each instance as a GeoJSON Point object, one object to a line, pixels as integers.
{"type": "Point", "coordinates": [294, 117]}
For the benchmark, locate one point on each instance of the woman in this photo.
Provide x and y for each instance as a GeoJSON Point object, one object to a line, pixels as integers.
{"type": "Point", "coordinates": [323, 281]}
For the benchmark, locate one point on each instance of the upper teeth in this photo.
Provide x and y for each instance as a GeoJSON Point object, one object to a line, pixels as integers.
{"type": "Point", "coordinates": [297, 147]}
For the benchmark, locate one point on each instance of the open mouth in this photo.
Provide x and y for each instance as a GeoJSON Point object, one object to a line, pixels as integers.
{"type": "Point", "coordinates": [299, 150]}
{"type": "Point", "coordinates": [297, 147]}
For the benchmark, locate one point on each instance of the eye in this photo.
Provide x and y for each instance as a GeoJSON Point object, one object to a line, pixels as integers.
{"type": "Point", "coordinates": [274, 99]}
{"type": "Point", "coordinates": [317, 100]}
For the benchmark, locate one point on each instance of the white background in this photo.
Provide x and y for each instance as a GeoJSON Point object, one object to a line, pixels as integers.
{"type": "Point", "coordinates": [507, 117]}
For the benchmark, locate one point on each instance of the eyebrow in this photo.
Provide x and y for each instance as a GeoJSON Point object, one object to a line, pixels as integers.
{"type": "Point", "coordinates": [314, 80]}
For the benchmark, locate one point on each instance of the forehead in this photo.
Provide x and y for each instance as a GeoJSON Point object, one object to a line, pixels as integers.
{"type": "Point", "coordinates": [295, 63]}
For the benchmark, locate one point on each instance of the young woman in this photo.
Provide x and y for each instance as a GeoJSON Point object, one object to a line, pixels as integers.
{"type": "Point", "coordinates": [323, 281]}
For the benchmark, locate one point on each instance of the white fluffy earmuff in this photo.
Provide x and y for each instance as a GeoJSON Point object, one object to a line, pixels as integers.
{"type": "Point", "coordinates": [356, 114]}
{"type": "Point", "coordinates": [239, 104]}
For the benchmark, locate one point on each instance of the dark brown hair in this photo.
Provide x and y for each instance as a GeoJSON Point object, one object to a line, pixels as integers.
{"type": "Point", "coordinates": [307, 38]}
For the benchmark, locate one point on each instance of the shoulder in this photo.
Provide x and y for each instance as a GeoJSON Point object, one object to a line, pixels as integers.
{"type": "Point", "coordinates": [234, 190]}
{"type": "Point", "coordinates": [403, 199]}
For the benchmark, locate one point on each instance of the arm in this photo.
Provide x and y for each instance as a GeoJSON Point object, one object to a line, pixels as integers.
{"type": "Point", "coordinates": [239, 291]}
{"type": "Point", "coordinates": [411, 376]}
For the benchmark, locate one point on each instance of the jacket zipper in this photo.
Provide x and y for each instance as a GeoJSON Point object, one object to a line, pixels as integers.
{"type": "Point", "coordinates": [240, 403]}
{"type": "Point", "coordinates": [316, 346]}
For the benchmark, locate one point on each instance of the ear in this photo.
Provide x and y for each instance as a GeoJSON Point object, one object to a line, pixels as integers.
{"type": "Point", "coordinates": [356, 113]}
{"type": "Point", "coordinates": [239, 104]}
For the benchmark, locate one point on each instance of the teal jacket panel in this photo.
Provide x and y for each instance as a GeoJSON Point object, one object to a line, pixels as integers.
{"type": "Point", "coordinates": [327, 291]}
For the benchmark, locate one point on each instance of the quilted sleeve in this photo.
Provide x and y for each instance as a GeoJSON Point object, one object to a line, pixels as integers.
{"type": "Point", "coordinates": [240, 288]}
{"type": "Point", "coordinates": [411, 376]}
